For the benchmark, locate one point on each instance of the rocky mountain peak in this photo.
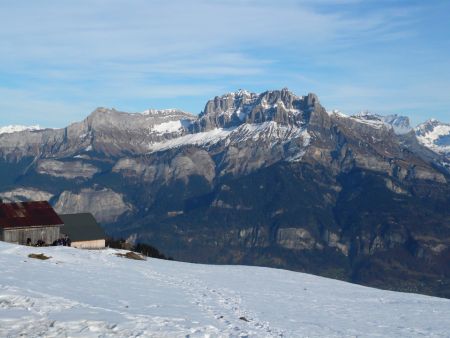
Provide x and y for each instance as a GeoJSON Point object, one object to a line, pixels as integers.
{"type": "Point", "coordinates": [428, 126]}
{"type": "Point", "coordinates": [112, 119]}
{"type": "Point", "coordinates": [434, 135]}
{"type": "Point", "coordinates": [312, 100]}
{"type": "Point", "coordinates": [233, 109]}
{"type": "Point", "coordinates": [103, 117]}
{"type": "Point", "coordinates": [168, 113]}
{"type": "Point", "coordinates": [399, 124]}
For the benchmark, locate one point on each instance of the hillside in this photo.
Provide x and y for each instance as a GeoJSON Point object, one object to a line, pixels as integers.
{"type": "Point", "coordinates": [98, 294]}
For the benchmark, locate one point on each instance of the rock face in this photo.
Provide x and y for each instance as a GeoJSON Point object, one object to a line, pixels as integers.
{"type": "Point", "coordinates": [105, 204]}
{"type": "Point", "coordinates": [106, 131]}
{"type": "Point", "coordinates": [399, 124]}
{"type": "Point", "coordinates": [69, 170]}
{"type": "Point", "coordinates": [234, 109]}
{"type": "Point", "coordinates": [296, 239]}
{"type": "Point", "coordinates": [268, 179]}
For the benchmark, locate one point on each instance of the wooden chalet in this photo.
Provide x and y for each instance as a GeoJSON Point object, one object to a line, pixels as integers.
{"type": "Point", "coordinates": [29, 223]}
{"type": "Point", "coordinates": [37, 223]}
{"type": "Point", "coordinates": [83, 230]}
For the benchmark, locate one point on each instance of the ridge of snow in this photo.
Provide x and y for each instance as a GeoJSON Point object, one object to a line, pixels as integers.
{"type": "Point", "coordinates": [162, 111]}
{"type": "Point", "coordinates": [239, 93]}
{"type": "Point", "coordinates": [429, 124]}
{"type": "Point", "coordinates": [368, 118]}
{"type": "Point", "coordinates": [168, 127]}
{"type": "Point", "coordinates": [203, 138]}
{"type": "Point", "coordinates": [269, 130]}
{"type": "Point", "coordinates": [337, 112]}
{"type": "Point", "coordinates": [243, 92]}
{"type": "Point", "coordinates": [361, 118]}
{"type": "Point", "coordinates": [18, 128]}
{"type": "Point", "coordinates": [95, 293]}
{"type": "Point", "coordinates": [399, 124]}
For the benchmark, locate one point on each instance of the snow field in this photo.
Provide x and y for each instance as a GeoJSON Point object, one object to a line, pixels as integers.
{"type": "Point", "coordinates": [80, 293]}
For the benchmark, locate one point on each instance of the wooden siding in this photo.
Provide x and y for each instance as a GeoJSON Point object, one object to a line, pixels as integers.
{"type": "Point", "coordinates": [95, 244]}
{"type": "Point", "coordinates": [48, 234]}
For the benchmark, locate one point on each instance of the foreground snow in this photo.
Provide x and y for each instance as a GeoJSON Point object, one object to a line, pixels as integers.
{"type": "Point", "coordinates": [97, 294]}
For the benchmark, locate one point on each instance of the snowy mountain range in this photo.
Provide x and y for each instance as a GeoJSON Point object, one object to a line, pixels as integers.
{"type": "Point", "coordinates": [95, 293]}
{"type": "Point", "coordinates": [17, 128]}
{"type": "Point", "coordinates": [400, 124]}
{"type": "Point", "coordinates": [227, 112]}
{"type": "Point", "coordinates": [269, 179]}
{"type": "Point", "coordinates": [432, 134]}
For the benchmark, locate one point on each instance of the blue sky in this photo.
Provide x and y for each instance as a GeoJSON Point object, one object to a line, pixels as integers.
{"type": "Point", "coordinates": [60, 60]}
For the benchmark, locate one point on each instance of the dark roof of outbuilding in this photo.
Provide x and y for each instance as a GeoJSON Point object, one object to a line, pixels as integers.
{"type": "Point", "coordinates": [81, 227]}
{"type": "Point", "coordinates": [28, 214]}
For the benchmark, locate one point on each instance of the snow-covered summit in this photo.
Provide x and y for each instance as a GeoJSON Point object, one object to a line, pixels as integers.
{"type": "Point", "coordinates": [95, 293]}
{"type": "Point", "coordinates": [152, 121]}
{"type": "Point", "coordinates": [233, 109]}
{"type": "Point", "coordinates": [434, 135]}
{"type": "Point", "coordinates": [17, 128]}
{"type": "Point", "coordinates": [240, 93]}
{"type": "Point", "coordinates": [337, 112]}
{"type": "Point", "coordinates": [163, 112]}
{"type": "Point", "coordinates": [400, 124]}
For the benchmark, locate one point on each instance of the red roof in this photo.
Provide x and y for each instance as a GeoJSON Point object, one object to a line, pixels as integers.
{"type": "Point", "coordinates": [28, 214]}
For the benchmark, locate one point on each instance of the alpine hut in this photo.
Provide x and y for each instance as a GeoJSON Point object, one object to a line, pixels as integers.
{"type": "Point", "coordinates": [29, 223]}
{"type": "Point", "coordinates": [83, 230]}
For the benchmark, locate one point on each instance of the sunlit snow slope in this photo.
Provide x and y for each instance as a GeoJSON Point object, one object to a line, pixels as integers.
{"type": "Point", "coordinates": [95, 293]}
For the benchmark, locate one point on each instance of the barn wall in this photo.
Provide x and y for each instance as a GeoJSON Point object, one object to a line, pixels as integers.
{"type": "Point", "coordinates": [96, 244]}
{"type": "Point", "coordinates": [20, 235]}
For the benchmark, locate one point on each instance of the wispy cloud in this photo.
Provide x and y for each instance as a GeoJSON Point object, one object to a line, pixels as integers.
{"type": "Point", "coordinates": [139, 53]}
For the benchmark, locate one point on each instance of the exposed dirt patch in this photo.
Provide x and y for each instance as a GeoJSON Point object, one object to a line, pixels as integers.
{"type": "Point", "coordinates": [132, 255]}
{"type": "Point", "coordinates": [40, 256]}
